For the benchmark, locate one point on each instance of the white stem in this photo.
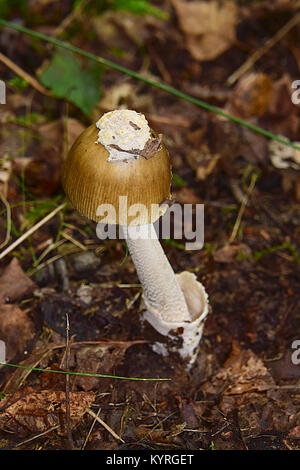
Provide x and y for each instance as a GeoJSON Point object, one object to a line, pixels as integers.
{"type": "Point", "coordinates": [176, 304]}
{"type": "Point", "coordinates": [162, 292]}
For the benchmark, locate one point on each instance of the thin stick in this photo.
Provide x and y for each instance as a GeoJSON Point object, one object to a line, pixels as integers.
{"type": "Point", "coordinates": [33, 229]}
{"type": "Point", "coordinates": [68, 20]}
{"type": "Point", "coordinates": [29, 79]}
{"type": "Point", "coordinates": [47, 250]}
{"type": "Point", "coordinates": [242, 209]}
{"type": "Point", "coordinates": [108, 428]}
{"type": "Point", "coordinates": [68, 418]}
{"type": "Point", "coordinates": [37, 436]}
{"type": "Point", "coordinates": [46, 263]}
{"type": "Point", "coordinates": [74, 241]}
{"type": "Point", "coordinates": [90, 430]}
{"type": "Point", "coordinates": [260, 52]}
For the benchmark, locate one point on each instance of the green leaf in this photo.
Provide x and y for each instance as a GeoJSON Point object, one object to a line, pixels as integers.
{"type": "Point", "coordinates": [38, 209]}
{"type": "Point", "coordinates": [18, 83]}
{"type": "Point", "coordinates": [178, 181]}
{"type": "Point", "coordinates": [139, 7]}
{"type": "Point", "coordinates": [67, 79]}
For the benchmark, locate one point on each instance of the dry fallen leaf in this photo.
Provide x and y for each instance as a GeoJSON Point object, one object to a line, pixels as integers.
{"type": "Point", "coordinates": [187, 195]}
{"type": "Point", "coordinates": [210, 27]}
{"type": "Point", "coordinates": [61, 131]}
{"type": "Point", "coordinates": [14, 283]}
{"type": "Point", "coordinates": [38, 411]}
{"type": "Point", "coordinates": [202, 161]}
{"type": "Point", "coordinates": [155, 435]}
{"type": "Point", "coordinates": [114, 95]}
{"type": "Point", "coordinates": [251, 96]}
{"type": "Point", "coordinates": [243, 372]}
{"type": "Point", "coordinates": [228, 253]}
{"type": "Point", "coordinates": [16, 330]}
{"type": "Point", "coordinates": [101, 359]}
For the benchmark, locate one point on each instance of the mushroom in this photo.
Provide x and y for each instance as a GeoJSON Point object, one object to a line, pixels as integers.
{"type": "Point", "coordinates": [120, 158]}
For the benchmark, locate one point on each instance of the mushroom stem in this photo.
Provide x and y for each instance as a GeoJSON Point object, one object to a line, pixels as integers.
{"type": "Point", "coordinates": [161, 288]}
{"type": "Point", "coordinates": [176, 305]}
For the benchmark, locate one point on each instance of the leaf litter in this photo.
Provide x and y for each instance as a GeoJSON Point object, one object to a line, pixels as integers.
{"type": "Point", "coordinates": [243, 392]}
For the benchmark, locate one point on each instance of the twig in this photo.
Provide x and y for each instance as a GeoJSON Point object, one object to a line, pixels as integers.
{"type": "Point", "coordinates": [33, 229]}
{"type": "Point", "coordinates": [260, 52]}
{"type": "Point", "coordinates": [108, 428]}
{"type": "Point", "coordinates": [29, 79]}
{"type": "Point", "coordinates": [37, 436]}
{"type": "Point", "coordinates": [66, 22]}
{"type": "Point", "coordinates": [46, 263]}
{"type": "Point", "coordinates": [156, 426]}
{"type": "Point", "coordinates": [47, 250]}
{"type": "Point", "coordinates": [90, 430]}
{"type": "Point", "coordinates": [242, 208]}
{"type": "Point", "coordinates": [68, 418]}
{"type": "Point", "coordinates": [159, 63]}
{"type": "Point", "coordinates": [74, 241]}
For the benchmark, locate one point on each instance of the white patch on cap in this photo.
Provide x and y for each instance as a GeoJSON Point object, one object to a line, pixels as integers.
{"type": "Point", "coordinates": [125, 130]}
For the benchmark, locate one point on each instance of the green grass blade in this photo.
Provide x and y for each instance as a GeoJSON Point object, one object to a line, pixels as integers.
{"type": "Point", "coordinates": [84, 374]}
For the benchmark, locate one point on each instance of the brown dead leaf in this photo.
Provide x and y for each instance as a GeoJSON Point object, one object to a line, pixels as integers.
{"type": "Point", "coordinates": [114, 95]}
{"type": "Point", "coordinates": [16, 330]}
{"type": "Point", "coordinates": [61, 131]}
{"type": "Point", "coordinates": [243, 372]}
{"type": "Point", "coordinates": [202, 161]}
{"type": "Point", "coordinates": [210, 27]}
{"type": "Point", "coordinates": [14, 283]}
{"type": "Point", "coordinates": [42, 171]}
{"type": "Point", "coordinates": [294, 433]}
{"type": "Point", "coordinates": [155, 435]}
{"type": "Point", "coordinates": [248, 395]}
{"type": "Point", "coordinates": [11, 139]}
{"type": "Point", "coordinates": [187, 412]}
{"type": "Point", "coordinates": [251, 96]}
{"type": "Point", "coordinates": [187, 195]}
{"type": "Point", "coordinates": [232, 141]}
{"type": "Point", "coordinates": [38, 411]}
{"type": "Point", "coordinates": [228, 253]}
{"type": "Point", "coordinates": [39, 357]}
{"type": "Point", "coordinates": [283, 114]}
{"type": "Point", "coordinates": [42, 175]}
{"type": "Point", "coordinates": [101, 359]}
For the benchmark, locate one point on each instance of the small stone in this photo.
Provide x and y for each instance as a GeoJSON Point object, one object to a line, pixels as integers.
{"type": "Point", "coordinates": [85, 261]}
{"type": "Point", "coordinates": [85, 294]}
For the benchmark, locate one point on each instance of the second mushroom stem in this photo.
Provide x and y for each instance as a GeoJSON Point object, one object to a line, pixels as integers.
{"type": "Point", "coordinates": [162, 293]}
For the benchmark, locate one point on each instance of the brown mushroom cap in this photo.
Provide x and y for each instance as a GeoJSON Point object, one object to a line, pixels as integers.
{"type": "Point", "coordinates": [90, 180]}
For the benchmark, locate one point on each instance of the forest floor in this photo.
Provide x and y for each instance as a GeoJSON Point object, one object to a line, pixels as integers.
{"type": "Point", "coordinates": [243, 390]}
